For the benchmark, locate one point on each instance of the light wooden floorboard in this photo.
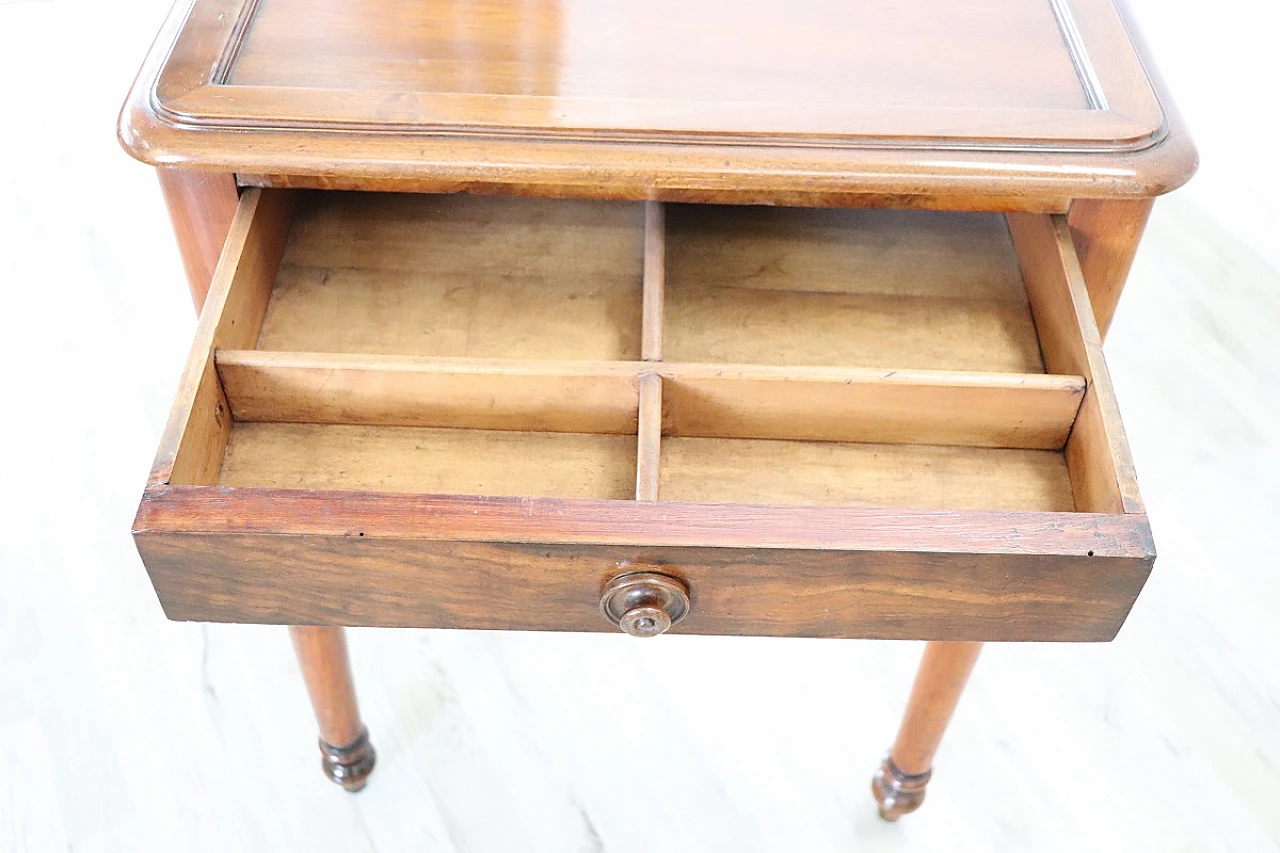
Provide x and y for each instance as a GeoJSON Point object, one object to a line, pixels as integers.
{"type": "Point", "coordinates": [121, 731]}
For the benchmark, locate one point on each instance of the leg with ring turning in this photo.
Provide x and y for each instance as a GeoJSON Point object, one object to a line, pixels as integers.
{"type": "Point", "coordinates": [346, 756]}
{"type": "Point", "coordinates": [900, 782]}
{"type": "Point", "coordinates": [201, 207]}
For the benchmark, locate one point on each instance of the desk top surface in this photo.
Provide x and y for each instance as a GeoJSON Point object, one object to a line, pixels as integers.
{"type": "Point", "coordinates": [751, 100]}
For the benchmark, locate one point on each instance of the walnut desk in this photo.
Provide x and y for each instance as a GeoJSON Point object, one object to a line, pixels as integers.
{"type": "Point", "coordinates": [728, 318]}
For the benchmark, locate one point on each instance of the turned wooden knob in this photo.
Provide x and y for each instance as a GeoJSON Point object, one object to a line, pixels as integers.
{"type": "Point", "coordinates": [645, 604]}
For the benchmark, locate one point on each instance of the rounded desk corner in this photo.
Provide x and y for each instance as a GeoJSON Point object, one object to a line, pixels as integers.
{"type": "Point", "coordinates": [133, 143]}
{"type": "Point", "coordinates": [1170, 164]}
{"type": "Point", "coordinates": [135, 128]}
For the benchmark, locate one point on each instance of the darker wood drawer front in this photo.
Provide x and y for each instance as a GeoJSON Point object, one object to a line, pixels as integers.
{"type": "Point", "coordinates": [450, 411]}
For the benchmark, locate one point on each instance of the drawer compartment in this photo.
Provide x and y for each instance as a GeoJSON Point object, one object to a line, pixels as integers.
{"type": "Point", "coordinates": [430, 461]}
{"type": "Point", "coordinates": [451, 411]}
{"type": "Point", "coordinates": [896, 289]}
{"type": "Point", "coordinates": [822, 473]}
{"type": "Point", "coordinates": [473, 276]}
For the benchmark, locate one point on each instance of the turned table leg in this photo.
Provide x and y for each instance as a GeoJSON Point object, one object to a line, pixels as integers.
{"type": "Point", "coordinates": [201, 206]}
{"type": "Point", "coordinates": [346, 755]}
{"type": "Point", "coordinates": [900, 782]}
{"type": "Point", "coordinates": [1106, 234]}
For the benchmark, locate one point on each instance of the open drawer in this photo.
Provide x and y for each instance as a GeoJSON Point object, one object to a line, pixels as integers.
{"type": "Point", "coordinates": [474, 412]}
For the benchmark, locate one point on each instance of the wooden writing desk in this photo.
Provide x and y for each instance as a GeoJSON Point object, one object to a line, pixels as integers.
{"type": "Point", "coordinates": [742, 318]}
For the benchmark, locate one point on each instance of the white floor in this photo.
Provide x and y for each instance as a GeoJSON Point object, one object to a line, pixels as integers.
{"type": "Point", "coordinates": [121, 731]}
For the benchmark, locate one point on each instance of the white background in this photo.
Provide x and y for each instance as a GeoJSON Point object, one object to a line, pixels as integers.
{"type": "Point", "coordinates": [121, 731]}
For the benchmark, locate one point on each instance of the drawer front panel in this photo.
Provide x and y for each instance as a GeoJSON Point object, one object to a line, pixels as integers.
{"type": "Point", "coordinates": [358, 580]}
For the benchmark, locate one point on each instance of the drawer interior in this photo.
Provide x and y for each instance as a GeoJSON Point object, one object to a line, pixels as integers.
{"type": "Point", "coordinates": [860, 288]}
{"type": "Point", "coordinates": [459, 275]}
{"type": "Point", "coordinates": [425, 460]}
{"type": "Point", "coordinates": [466, 345]}
{"type": "Point", "coordinates": [822, 473]}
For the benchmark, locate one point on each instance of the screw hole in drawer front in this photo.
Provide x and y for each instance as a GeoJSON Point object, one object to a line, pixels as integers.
{"type": "Point", "coordinates": [644, 603]}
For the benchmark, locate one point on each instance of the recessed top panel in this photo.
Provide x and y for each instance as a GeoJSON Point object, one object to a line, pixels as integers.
{"type": "Point", "coordinates": [841, 54]}
{"type": "Point", "coordinates": [757, 100]}
{"type": "Point", "coordinates": [831, 72]}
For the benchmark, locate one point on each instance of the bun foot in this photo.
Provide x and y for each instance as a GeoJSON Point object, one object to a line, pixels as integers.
{"type": "Point", "coordinates": [896, 792]}
{"type": "Point", "coordinates": [350, 765]}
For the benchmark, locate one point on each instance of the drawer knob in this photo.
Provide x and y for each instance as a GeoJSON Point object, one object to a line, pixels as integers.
{"type": "Point", "coordinates": [645, 604]}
